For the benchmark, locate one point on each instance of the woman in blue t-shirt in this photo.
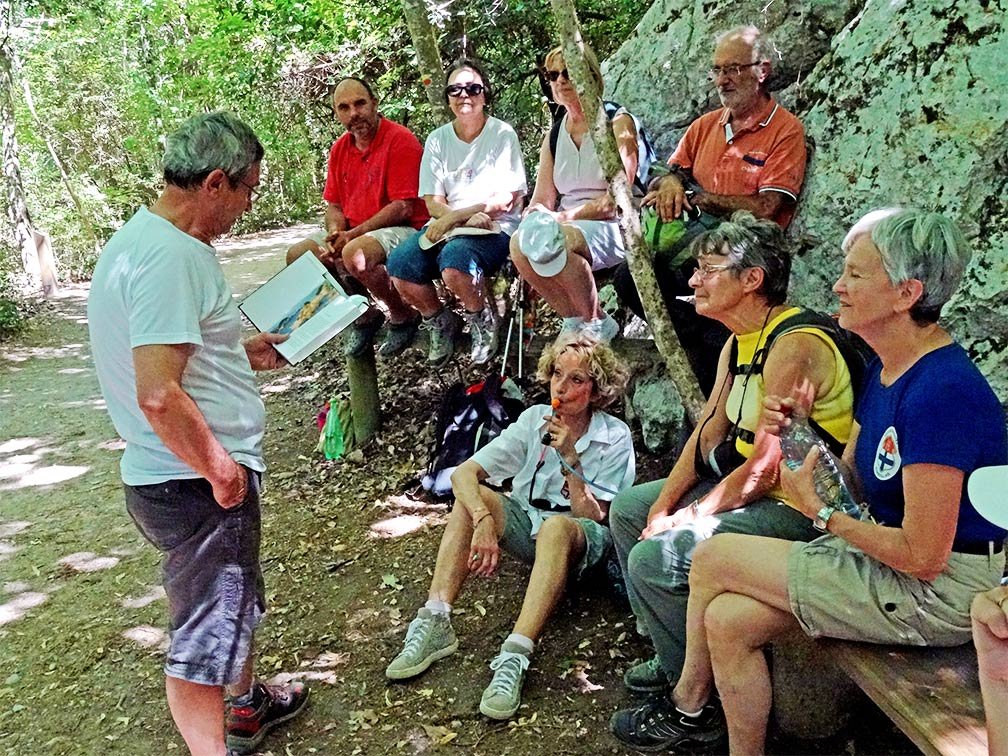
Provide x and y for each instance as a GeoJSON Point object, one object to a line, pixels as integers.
{"type": "Point", "coordinates": [906, 574]}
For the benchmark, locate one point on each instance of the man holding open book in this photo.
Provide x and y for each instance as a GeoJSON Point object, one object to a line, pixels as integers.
{"type": "Point", "coordinates": [178, 383]}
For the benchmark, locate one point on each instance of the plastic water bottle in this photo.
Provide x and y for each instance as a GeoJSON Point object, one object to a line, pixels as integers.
{"type": "Point", "coordinates": [795, 441]}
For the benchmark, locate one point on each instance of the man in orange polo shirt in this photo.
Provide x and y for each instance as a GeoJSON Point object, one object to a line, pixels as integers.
{"type": "Point", "coordinates": [748, 155]}
{"type": "Point", "coordinates": [372, 204]}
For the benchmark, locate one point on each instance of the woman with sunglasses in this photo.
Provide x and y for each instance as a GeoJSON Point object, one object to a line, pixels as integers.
{"type": "Point", "coordinates": [567, 459]}
{"type": "Point", "coordinates": [570, 226]}
{"type": "Point", "coordinates": [724, 480]}
{"type": "Point", "coordinates": [472, 179]}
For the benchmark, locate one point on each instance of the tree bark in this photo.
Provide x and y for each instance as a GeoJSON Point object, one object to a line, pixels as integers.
{"type": "Point", "coordinates": [425, 43]}
{"type": "Point", "coordinates": [639, 256]}
{"type": "Point", "coordinates": [40, 125]}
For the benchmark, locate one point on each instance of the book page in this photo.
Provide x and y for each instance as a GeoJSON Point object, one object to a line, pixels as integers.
{"type": "Point", "coordinates": [306, 303]}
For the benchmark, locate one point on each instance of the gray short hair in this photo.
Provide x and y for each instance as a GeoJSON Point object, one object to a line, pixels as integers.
{"type": "Point", "coordinates": [917, 245]}
{"type": "Point", "coordinates": [751, 242]}
{"type": "Point", "coordinates": [206, 142]}
{"type": "Point", "coordinates": [763, 47]}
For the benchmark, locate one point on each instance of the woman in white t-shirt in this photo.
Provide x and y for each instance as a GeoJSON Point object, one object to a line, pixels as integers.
{"type": "Point", "coordinates": [570, 226]}
{"type": "Point", "coordinates": [473, 180]}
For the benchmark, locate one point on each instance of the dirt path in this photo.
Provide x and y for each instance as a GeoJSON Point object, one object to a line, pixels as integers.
{"type": "Point", "coordinates": [347, 558]}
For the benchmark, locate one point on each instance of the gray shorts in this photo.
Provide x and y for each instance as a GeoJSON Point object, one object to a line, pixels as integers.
{"type": "Point", "coordinates": [210, 572]}
{"type": "Point", "coordinates": [517, 539]}
{"type": "Point", "coordinates": [837, 591]}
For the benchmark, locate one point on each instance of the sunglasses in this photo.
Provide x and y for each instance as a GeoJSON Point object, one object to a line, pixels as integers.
{"type": "Point", "coordinates": [473, 90]}
{"type": "Point", "coordinates": [553, 76]}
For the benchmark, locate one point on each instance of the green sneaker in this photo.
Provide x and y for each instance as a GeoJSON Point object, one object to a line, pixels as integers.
{"type": "Point", "coordinates": [502, 696]}
{"type": "Point", "coordinates": [430, 637]}
{"type": "Point", "coordinates": [444, 329]}
{"type": "Point", "coordinates": [646, 677]}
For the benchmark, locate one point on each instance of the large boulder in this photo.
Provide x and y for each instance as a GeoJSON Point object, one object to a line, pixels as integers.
{"type": "Point", "coordinates": [903, 103]}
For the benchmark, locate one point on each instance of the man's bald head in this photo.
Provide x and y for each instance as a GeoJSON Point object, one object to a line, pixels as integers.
{"type": "Point", "coordinates": [356, 107]}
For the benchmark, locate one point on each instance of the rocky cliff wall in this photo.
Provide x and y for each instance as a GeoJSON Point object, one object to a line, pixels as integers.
{"type": "Point", "coordinates": [903, 103]}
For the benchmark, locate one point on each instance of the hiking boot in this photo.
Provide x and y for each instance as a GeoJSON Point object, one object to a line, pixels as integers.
{"type": "Point", "coordinates": [502, 696]}
{"type": "Point", "coordinates": [430, 637]}
{"type": "Point", "coordinates": [360, 336]}
{"type": "Point", "coordinates": [601, 329]}
{"type": "Point", "coordinates": [483, 330]}
{"type": "Point", "coordinates": [659, 726]}
{"type": "Point", "coordinates": [398, 337]}
{"type": "Point", "coordinates": [246, 726]}
{"type": "Point", "coordinates": [444, 329]}
{"type": "Point", "coordinates": [646, 677]}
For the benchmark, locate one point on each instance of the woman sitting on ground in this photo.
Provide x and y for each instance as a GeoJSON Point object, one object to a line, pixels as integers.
{"type": "Point", "coordinates": [570, 226]}
{"type": "Point", "coordinates": [568, 460]}
{"type": "Point", "coordinates": [907, 574]}
{"type": "Point", "coordinates": [471, 177]}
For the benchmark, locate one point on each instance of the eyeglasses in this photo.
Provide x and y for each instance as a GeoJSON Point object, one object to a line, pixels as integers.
{"type": "Point", "coordinates": [705, 271]}
{"type": "Point", "coordinates": [554, 76]}
{"type": "Point", "coordinates": [254, 192]}
{"type": "Point", "coordinates": [731, 71]}
{"type": "Point", "coordinates": [456, 90]}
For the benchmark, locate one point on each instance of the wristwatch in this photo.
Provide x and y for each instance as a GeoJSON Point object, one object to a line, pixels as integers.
{"type": "Point", "coordinates": [821, 521]}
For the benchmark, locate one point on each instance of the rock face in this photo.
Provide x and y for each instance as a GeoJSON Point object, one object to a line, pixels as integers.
{"type": "Point", "coordinates": [904, 103]}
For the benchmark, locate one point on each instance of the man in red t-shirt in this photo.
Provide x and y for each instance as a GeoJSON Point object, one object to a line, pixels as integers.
{"type": "Point", "coordinates": [373, 204]}
{"type": "Point", "coordinates": [748, 155]}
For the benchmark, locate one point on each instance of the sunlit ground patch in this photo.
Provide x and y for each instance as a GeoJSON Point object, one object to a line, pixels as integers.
{"type": "Point", "coordinates": [113, 444]}
{"type": "Point", "coordinates": [15, 586]}
{"type": "Point", "coordinates": [155, 594]}
{"type": "Point", "coordinates": [19, 605]}
{"type": "Point", "coordinates": [7, 529]}
{"type": "Point", "coordinates": [18, 444]}
{"type": "Point", "coordinates": [27, 475]}
{"type": "Point", "coordinates": [407, 516]}
{"type": "Point", "coordinates": [86, 561]}
{"type": "Point", "coordinates": [6, 549]}
{"type": "Point", "coordinates": [147, 636]}
{"type": "Point", "coordinates": [320, 669]}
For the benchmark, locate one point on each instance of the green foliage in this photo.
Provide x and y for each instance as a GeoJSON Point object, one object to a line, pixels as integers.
{"type": "Point", "coordinates": [111, 77]}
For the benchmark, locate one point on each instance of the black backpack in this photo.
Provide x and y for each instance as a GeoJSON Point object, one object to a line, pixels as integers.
{"type": "Point", "coordinates": [469, 418]}
{"type": "Point", "coordinates": [646, 154]}
{"type": "Point", "coordinates": [853, 349]}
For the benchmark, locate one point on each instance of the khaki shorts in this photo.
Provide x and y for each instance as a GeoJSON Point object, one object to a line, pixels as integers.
{"type": "Point", "coordinates": [517, 539]}
{"type": "Point", "coordinates": [837, 591]}
{"type": "Point", "coordinates": [389, 237]}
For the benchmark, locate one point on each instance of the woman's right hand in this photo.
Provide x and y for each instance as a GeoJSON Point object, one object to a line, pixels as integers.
{"type": "Point", "coordinates": [484, 550]}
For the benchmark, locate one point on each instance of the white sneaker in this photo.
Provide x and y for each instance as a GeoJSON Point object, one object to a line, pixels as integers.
{"type": "Point", "coordinates": [502, 696]}
{"type": "Point", "coordinates": [602, 329]}
{"type": "Point", "coordinates": [572, 325]}
{"type": "Point", "coordinates": [483, 330]}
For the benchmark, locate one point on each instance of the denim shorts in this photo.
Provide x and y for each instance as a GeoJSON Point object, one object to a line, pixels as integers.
{"type": "Point", "coordinates": [210, 572]}
{"type": "Point", "coordinates": [475, 255]}
{"type": "Point", "coordinates": [517, 538]}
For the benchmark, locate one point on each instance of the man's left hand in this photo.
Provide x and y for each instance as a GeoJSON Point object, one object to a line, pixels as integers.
{"type": "Point", "coordinates": [261, 353]}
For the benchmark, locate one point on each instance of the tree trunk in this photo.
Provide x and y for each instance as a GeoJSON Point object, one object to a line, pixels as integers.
{"type": "Point", "coordinates": [425, 43]}
{"type": "Point", "coordinates": [639, 256]}
{"type": "Point", "coordinates": [40, 125]}
{"type": "Point", "coordinates": [36, 253]}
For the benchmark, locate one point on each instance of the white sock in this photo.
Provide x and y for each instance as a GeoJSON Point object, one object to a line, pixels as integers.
{"type": "Point", "coordinates": [523, 641]}
{"type": "Point", "coordinates": [692, 714]}
{"type": "Point", "coordinates": [438, 607]}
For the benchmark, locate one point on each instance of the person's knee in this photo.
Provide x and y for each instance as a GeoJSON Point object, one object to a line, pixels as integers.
{"type": "Point", "coordinates": [724, 624]}
{"type": "Point", "coordinates": [557, 535]}
{"type": "Point", "coordinates": [705, 564]}
{"type": "Point", "coordinates": [459, 282]}
{"type": "Point", "coordinates": [296, 250]}
{"type": "Point", "coordinates": [362, 255]}
{"type": "Point", "coordinates": [644, 560]}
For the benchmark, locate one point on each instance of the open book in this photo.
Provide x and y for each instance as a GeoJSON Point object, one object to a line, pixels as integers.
{"type": "Point", "coordinates": [425, 243]}
{"type": "Point", "coordinates": [304, 301]}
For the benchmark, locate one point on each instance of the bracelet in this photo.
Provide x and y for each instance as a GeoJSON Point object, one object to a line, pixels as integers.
{"type": "Point", "coordinates": [567, 469]}
{"type": "Point", "coordinates": [480, 519]}
{"type": "Point", "coordinates": [1001, 601]}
